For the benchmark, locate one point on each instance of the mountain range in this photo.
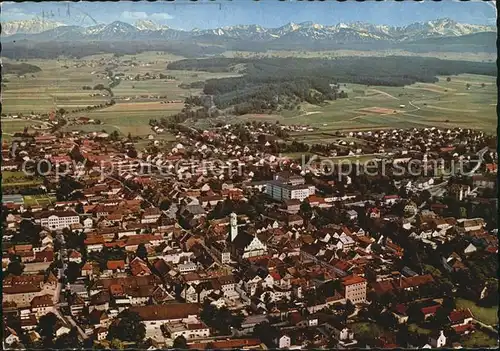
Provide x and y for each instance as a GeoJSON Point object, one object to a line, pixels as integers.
{"type": "Point", "coordinates": [357, 32]}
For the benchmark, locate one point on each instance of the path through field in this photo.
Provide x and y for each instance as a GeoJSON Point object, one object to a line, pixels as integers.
{"type": "Point", "coordinates": [384, 93]}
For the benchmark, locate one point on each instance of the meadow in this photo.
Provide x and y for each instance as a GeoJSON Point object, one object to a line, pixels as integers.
{"type": "Point", "coordinates": [468, 56]}
{"type": "Point", "coordinates": [443, 104]}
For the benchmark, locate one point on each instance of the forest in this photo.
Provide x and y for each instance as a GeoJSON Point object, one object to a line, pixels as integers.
{"type": "Point", "coordinates": [19, 68]}
{"type": "Point", "coordinates": [25, 49]}
{"type": "Point", "coordinates": [272, 83]}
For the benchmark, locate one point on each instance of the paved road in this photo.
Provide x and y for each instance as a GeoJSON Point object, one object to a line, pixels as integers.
{"type": "Point", "coordinates": [74, 324]}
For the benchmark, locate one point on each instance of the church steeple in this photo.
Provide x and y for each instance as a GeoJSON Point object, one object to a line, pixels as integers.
{"type": "Point", "coordinates": [234, 226]}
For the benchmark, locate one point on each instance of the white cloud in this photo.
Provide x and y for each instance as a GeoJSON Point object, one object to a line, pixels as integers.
{"type": "Point", "coordinates": [15, 13]}
{"type": "Point", "coordinates": [161, 16]}
{"type": "Point", "coordinates": [134, 16]}
{"type": "Point", "coordinates": [131, 15]}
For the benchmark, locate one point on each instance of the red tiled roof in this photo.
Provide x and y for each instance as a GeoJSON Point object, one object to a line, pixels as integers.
{"type": "Point", "coordinates": [352, 280]}
{"type": "Point", "coordinates": [430, 309]}
{"type": "Point", "coordinates": [114, 265]}
{"type": "Point", "coordinates": [459, 315]}
{"type": "Point", "coordinates": [460, 329]}
{"type": "Point", "coordinates": [227, 344]}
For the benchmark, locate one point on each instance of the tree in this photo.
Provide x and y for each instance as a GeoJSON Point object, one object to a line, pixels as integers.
{"type": "Point", "coordinates": [79, 208]}
{"type": "Point", "coordinates": [306, 211]}
{"type": "Point", "coordinates": [266, 332]}
{"type": "Point", "coordinates": [114, 135]}
{"type": "Point", "coordinates": [350, 308]}
{"type": "Point", "coordinates": [128, 328]}
{"type": "Point", "coordinates": [46, 325]}
{"type": "Point", "coordinates": [142, 252]}
{"type": "Point", "coordinates": [180, 342]}
{"type": "Point", "coordinates": [15, 267]}
{"type": "Point", "coordinates": [116, 344]}
{"type": "Point", "coordinates": [68, 341]}
{"type": "Point", "coordinates": [132, 153]}
{"type": "Point", "coordinates": [415, 314]}
{"type": "Point", "coordinates": [165, 205]}
{"type": "Point", "coordinates": [73, 272]}
{"type": "Point", "coordinates": [402, 336]}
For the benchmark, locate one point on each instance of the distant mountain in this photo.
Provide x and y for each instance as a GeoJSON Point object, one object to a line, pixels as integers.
{"type": "Point", "coordinates": [32, 26]}
{"type": "Point", "coordinates": [148, 25]}
{"type": "Point", "coordinates": [477, 42]}
{"type": "Point", "coordinates": [148, 30]}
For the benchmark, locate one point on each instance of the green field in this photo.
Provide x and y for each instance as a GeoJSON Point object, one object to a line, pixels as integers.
{"type": "Point", "coordinates": [467, 56]}
{"type": "Point", "coordinates": [419, 330]}
{"type": "Point", "coordinates": [366, 330]}
{"type": "Point", "coordinates": [444, 104]}
{"type": "Point", "coordinates": [483, 314]}
{"type": "Point", "coordinates": [39, 200]}
{"type": "Point", "coordinates": [12, 179]}
{"type": "Point", "coordinates": [479, 339]}
{"type": "Point", "coordinates": [58, 87]}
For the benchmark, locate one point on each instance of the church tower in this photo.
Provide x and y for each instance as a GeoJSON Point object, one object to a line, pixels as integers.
{"type": "Point", "coordinates": [234, 226]}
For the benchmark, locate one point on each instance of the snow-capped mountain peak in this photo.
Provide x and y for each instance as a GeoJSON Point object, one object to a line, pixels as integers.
{"type": "Point", "coordinates": [341, 32]}
{"type": "Point", "coordinates": [32, 26]}
{"type": "Point", "coordinates": [149, 25]}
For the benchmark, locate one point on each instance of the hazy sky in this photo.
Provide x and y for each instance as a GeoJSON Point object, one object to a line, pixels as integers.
{"type": "Point", "coordinates": [184, 14]}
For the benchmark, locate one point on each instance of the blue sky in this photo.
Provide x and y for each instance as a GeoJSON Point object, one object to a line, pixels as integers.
{"type": "Point", "coordinates": [183, 14]}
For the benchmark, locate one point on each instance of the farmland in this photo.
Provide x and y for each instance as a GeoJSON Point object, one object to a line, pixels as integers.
{"type": "Point", "coordinates": [468, 56]}
{"type": "Point", "coordinates": [56, 86]}
{"type": "Point", "coordinates": [444, 104]}
{"type": "Point", "coordinates": [464, 100]}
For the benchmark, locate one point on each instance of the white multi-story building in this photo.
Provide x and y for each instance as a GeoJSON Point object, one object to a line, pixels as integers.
{"type": "Point", "coordinates": [354, 289]}
{"type": "Point", "coordinates": [282, 191]}
{"type": "Point", "coordinates": [57, 219]}
{"type": "Point", "coordinates": [195, 330]}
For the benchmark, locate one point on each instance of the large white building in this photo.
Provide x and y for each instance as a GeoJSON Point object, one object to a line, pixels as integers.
{"type": "Point", "coordinates": [190, 331]}
{"type": "Point", "coordinates": [244, 245]}
{"type": "Point", "coordinates": [282, 191]}
{"type": "Point", "coordinates": [354, 289]}
{"type": "Point", "coordinates": [57, 219]}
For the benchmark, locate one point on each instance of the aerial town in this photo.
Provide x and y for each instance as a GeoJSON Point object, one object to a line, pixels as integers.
{"type": "Point", "coordinates": [220, 242]}
{"type": "Point", "coordinates": [249, 175]}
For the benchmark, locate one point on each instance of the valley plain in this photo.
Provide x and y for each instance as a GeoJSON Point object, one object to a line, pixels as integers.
{"type": "Point", "coordinates": [464, 100]}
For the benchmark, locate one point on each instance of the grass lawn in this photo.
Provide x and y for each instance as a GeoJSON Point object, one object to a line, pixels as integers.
{"type": "Point", "coordinates": [39, 200]}
{"type": "Point", "coordinates": [479, 339]}
{"type": "Point", "coordinates": [443, 104]}
{"type": "Point", "coordinates": [419, 330]}
{"type": "Point", "coordinates": [10, 178]}
{"type": "Point", "coordinates": [366, 330]}
{"type": "Point", "coordinates": [486, 315]}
